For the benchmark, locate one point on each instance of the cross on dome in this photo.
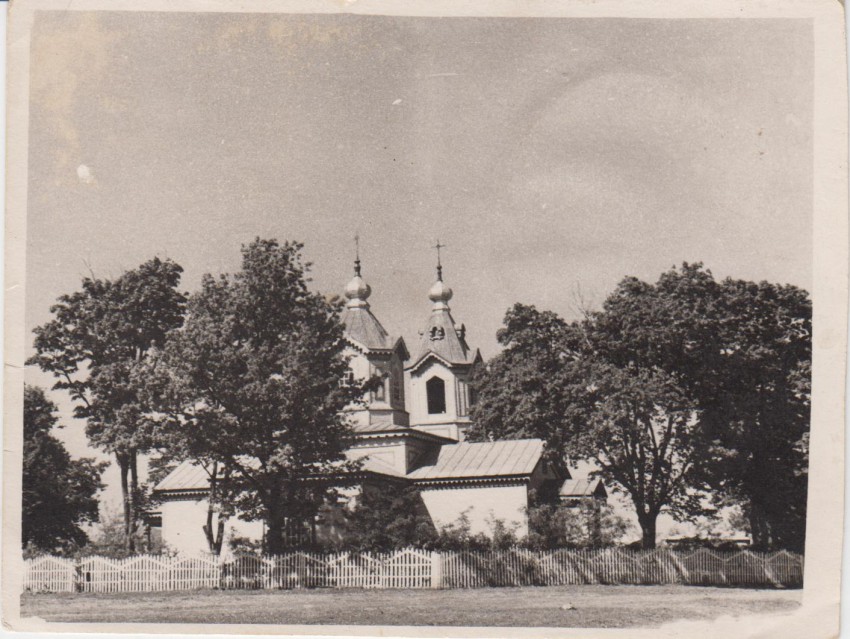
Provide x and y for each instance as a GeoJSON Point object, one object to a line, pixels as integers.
{"type": "Point", "coordinates": [357, 290]}
{"type": "Point", "coordinates": [440, 294]}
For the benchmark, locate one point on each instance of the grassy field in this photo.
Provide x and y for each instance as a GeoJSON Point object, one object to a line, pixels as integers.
{"type": "Point", "coordinates": [567, 606]}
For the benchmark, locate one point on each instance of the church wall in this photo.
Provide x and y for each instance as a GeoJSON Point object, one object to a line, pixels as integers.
{"type": "Point", "coordinates": [183, 521]}
{"type": "Point", "coordinates": [482, 506]}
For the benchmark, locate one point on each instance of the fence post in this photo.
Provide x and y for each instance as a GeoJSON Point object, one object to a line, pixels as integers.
{"type": "Point", "coordinates": [78, 584]}
{"type": "Point", "coordinates": [436, 570]}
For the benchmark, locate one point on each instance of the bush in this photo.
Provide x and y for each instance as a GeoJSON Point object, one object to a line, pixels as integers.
{"type": "Point", "coordinates": [592, 525]}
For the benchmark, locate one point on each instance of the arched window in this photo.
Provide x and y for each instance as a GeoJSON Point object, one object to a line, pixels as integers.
{"type": "Point", "coordinates": [436, 390]}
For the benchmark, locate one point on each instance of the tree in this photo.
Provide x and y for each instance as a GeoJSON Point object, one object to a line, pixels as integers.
{"type": "Point", "coordinates": [387, 518]}
{"type": "Point", "coordinates": [253, 388]}
{"type": "Point", "coordinates": [759, 415]}
{"type": "Point", "coordinates": [741, 352]}
{"type": "Point", "coordinates": [550, 381]}
{"type": "Point", "coordinates": [98, 339]}
{"type": "Point", "coordinates": [554, 525]}
{"type": "Point", "coordinates": [536, 386]}
{"type": "Point", "coordinates": [672, 388]}
{"type": "Point", "coordinates": [59, 493]}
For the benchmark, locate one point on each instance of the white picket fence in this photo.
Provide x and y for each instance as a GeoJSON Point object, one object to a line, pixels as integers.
{"type": "Point", "coordinates": [413, 568]}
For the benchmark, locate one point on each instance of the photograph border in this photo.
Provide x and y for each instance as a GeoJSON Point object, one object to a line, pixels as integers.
{"type": "Point", "coordinates": [819, 613]}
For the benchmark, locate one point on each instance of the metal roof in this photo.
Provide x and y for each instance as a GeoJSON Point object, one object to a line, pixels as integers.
{"type": "Point", "coordinates": [584, 487]}
{"type": "Point", "coordinates": [483, 459]}
{"type": "Point", "coordinates": [373, 465]}
{"type": "Point", "coordinates": [379, 425]}
{"type": "Point", "coordinates": [441, 338]}
{"type": "Point", "coordinates": [187, 476]}
{"type": "Point", "coordinates": [452, 461]}
{"type": "Point", "coordinates": [364, 328]}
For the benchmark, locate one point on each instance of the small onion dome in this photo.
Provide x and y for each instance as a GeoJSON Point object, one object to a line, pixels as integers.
{"type": "Point", "coordinates": [357, 289]}
{"type": "Point", "coordinates": [440, 292]}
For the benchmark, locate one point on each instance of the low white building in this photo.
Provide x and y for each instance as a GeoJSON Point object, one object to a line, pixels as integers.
{"type": "Point", "coordinates": [411, 431]}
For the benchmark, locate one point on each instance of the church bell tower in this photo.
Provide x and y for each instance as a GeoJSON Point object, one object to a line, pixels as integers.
{"type": "Point", "coordinates": [440, 396]}
{"type": "Point", "coordinates": [374, 354]}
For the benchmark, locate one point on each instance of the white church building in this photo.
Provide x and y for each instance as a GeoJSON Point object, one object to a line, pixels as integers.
{"type": "Point", "coordinates": [411, 430]}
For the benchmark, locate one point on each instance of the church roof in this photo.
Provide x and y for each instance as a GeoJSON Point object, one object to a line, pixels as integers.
{"type": "Point", "coordinates": [508, 458]}
{"type": "Point", "coordinates": [441, 338]}
{"type": "Point", "coordinates": [364, 329]}
{"type": "Point", "coordinates": [583, 487]}
{"type": "Point", "coordinates": [483, 459]}
{"type": "Point", "coordinates": [191, 477]}
{"type": "Point", "coordinates": [361, 327]}
{"type": "Point", "coordinates": [187, 476]}
{"type": "Point", "coordinates": [370, 464]}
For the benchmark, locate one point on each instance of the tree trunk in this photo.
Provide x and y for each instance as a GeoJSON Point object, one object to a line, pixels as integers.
{"type": "Point", "coordinates": [647, 526]}
{"type": "Point", "coordinates": [134, 496]}
{"type": "Point", "coordinates": [214, 538]}
{"type": "Point", "coordinates": [759, 528]}
{"type": "Point", "coordinates": [275, 523]}
{"type": "Point", "coordinates": [124, 466]}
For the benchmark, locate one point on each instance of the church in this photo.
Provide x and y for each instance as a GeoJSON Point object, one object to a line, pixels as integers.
{"type": "Point", "coordinates": [410, 430]}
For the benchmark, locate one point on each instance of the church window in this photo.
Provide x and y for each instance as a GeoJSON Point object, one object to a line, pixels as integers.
{"type": "Point", "coordinates": [435, 388]}
{"type": "Point", "coordinates": [437, 333]}
{"type": "Point", "coordinates": [380, 391]}
{"type": "Point", "coordinates": [395, 388]}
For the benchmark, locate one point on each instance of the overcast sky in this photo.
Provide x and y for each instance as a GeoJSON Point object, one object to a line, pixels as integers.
{"type": "Point", "coordinates": [550, 155]}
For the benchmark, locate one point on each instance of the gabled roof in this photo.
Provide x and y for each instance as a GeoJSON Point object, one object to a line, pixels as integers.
{"type": "Point", "coordinates": [191, 477]}
{"type": "Point", "coordinates": [584, 487]}
{"type": "Point", "coordinates": [482, 459]}
{"type": "Point", "coordinates": [372, 465]}
{"type": "Point", "coordinates": [187, 476]}
{"type": "Point", "coordinates": [364, 329]}
{"type": "Point", "coordinates": [443, 340]}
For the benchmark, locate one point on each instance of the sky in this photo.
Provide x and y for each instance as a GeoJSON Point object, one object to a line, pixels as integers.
{"type": "Point", "coordinates": [552, 156]}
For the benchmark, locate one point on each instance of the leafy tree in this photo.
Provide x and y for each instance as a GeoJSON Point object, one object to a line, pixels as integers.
{"type": "Point", "coordinates": [253, 386]}
{"type": "Point", "coordinates": [536, 386]}
{"type": "Point", "coordinates": [59, 493]}
{"type": "Point", "coordinates": [672, 388]}
{"type": "Point", "coordinates": [758, 413]}
{"type": "Point", "coordinates": [98, 339]}
{"type": "Point", "coordinates": [741, 352]}
{"type": "Point", "coordinates": [550, 382]}
{"type": "Point", "coordinates": [386, 518]}
{"type": "Point", "coordinates": [554, 525]}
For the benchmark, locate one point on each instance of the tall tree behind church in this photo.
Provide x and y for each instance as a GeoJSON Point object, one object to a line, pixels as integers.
{"type": "Point", "coordinates": [254, 382]}
{"type": "Point", "coordinates": [730, 361]}
{"type": "Point", "coordinates": [99, 337]}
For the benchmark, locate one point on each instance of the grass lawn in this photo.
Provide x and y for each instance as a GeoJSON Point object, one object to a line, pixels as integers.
{"type": "Point", "coordinates": [593, 606]}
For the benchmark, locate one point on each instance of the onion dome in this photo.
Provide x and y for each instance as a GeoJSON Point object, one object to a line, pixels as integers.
{"type": "Point", "coordinates": [440, 292]}
{"type": "Point", "coordinates": [357, 291]}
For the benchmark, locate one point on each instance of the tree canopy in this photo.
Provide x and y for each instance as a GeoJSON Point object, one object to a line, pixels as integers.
{"type": "Point", "coordinates": [59, 493]}
{"type": "Point", "coordinates": [99, 337]}
{"type": "Point", "coordinates": [252, 387]}
{"type": "Point", "coordinates": [673, 389]}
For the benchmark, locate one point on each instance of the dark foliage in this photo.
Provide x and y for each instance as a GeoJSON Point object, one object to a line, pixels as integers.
{"type": "Point", "coordinates": [251, 388]}
{"type": "Point", "coordinates": [679, 391]}
{"type": "Point", "coordinates": [59, 493]}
